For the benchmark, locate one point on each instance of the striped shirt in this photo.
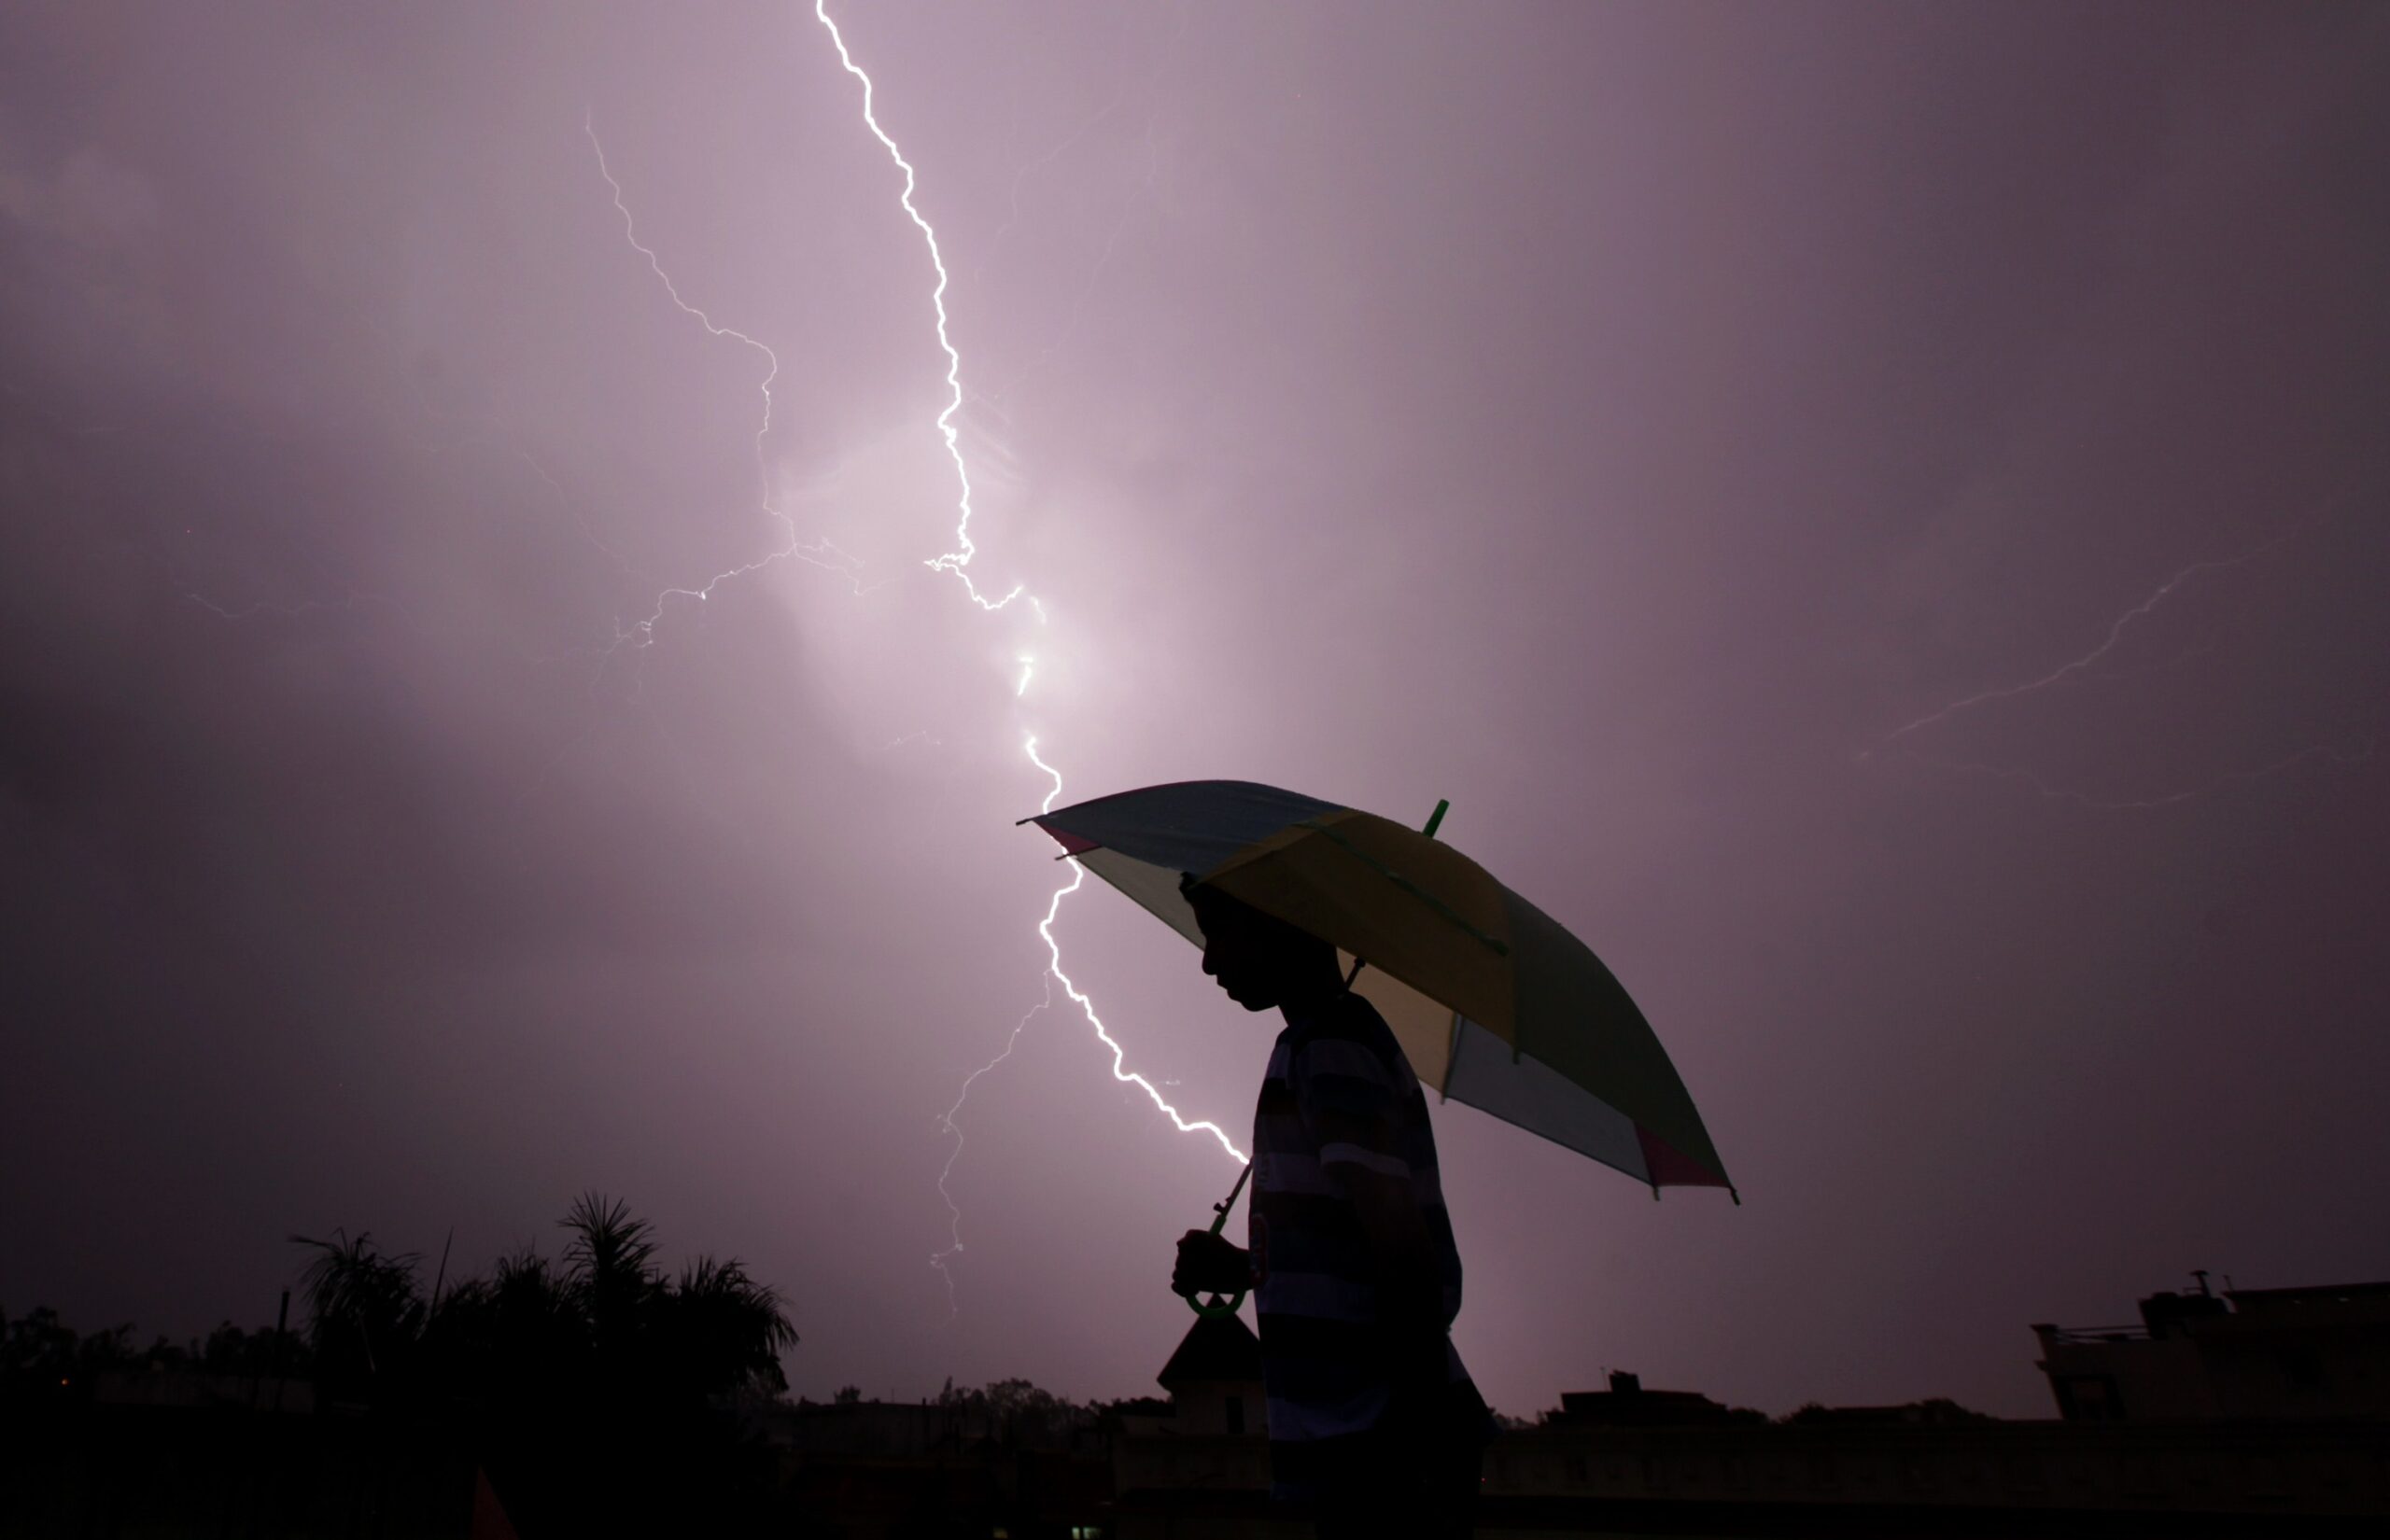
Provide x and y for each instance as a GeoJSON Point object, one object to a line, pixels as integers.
{"type": "Point", "coordinates": [1342, 1118]}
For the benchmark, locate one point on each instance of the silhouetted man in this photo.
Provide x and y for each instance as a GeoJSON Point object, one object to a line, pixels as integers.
{"type": "Point", "coordinates": [1373, 1424]}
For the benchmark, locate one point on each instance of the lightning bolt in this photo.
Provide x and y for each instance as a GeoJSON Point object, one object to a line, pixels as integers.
{"type": "Point", "coordinates": [2108, 644]}
{"type": "Point", "coordinates": [507, 442]}
{"type": "Point", "coordinates": [1011, 388]}
{"type": "Point", "coordinates": [1087, 1007]}
{"type": "Point", "coordinates": [818, 553]}
{"type": "Point", "coordinates": [958, 562]}
{"type": "Point", "coordinates": [949, 1125]}
{"type": "Point", "coordinates": [292, 609]}
{"type": "Point", "coordinates": [1020, 177]}
{"type": "Point", "coordinates": [2080, 666]}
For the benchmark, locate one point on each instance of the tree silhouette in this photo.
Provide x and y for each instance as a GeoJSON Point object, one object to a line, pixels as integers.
{"type": "Point", "coordinates": [725, 1330]}
{"type": "Point", "coordinates": [42, 1359]}
{"type": "Point", "coordinates": [1016, 1412]}
{"type": "Point", "coordinates": [610, 1267]}
{"type": "Point", "coordinates": [365, 1310]}
{"type": "Point", "coordinates": [594, 1387]}
{"type": "Point", "coordinates": [605, 1314]}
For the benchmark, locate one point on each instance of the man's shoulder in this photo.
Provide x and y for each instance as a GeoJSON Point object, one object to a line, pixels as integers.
{"type": "Point", "coordinates": [1350, 1019]}
{"type": "Point", "coordinates": [1343, 1035]}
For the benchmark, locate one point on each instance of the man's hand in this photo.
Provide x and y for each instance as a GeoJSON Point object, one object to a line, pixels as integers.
{"type": "Point", "coordinates": [1208, 1264]}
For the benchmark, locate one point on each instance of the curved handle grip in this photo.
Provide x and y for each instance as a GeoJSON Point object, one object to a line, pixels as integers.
{"type": "Point", "coordinates": [1217, 1304]}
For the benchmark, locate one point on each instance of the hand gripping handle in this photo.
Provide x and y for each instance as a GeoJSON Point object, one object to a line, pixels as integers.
{"type": "Point", "coordinates": [1221, 1303]}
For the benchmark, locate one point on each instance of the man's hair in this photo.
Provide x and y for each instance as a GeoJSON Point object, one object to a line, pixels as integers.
{"type": "Point", "coordinates": [1204, 897]}
{"type": "Point", "coordinates": [1208, 900]}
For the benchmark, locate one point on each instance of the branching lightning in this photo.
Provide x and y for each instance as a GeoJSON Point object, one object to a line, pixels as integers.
{"type": "Point", "coordinates": [289, 611]}
{"type": "Point", "coordinates": [2080, 668]}
{"type": "Point", "coordinates": [948, 1125]}
{"type": "Point", "coordinates": [2116, 630]}
{"type": "Point", "coordinates": [818, 553]}
{"type": "Point", "coordinates": [958, 562]}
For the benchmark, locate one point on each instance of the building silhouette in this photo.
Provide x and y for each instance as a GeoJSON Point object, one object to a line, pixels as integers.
{"type": "Point", "coordinates": [2259, 1412]}
{"type": "Point", "coordinates": [1627, 1405]}
{"type": "Point", "coordinates": [1200, 1466]}
{"type": "Point", "coordinates": [2245, 1353]}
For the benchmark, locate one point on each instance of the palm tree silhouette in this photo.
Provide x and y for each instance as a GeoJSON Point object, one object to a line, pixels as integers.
{"type": "Point", "coordinates": [590, 1387]}
{"type": "Point", "coordinates": [605, 1314]}
{"type": "Point", "coordinates": [366, 1310]}
{"type": "Point", "coordinates": [610, 1267]}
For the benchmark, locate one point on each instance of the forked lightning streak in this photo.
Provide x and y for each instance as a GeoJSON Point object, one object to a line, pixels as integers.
{"type": "Point", "coordinates": [958, 561]}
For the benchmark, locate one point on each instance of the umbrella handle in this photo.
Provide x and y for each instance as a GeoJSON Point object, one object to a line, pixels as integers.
{"type": "Point", "coordinates": [1221, 1303]}
{"type": "Point", "coordinates": [1217, 1304]}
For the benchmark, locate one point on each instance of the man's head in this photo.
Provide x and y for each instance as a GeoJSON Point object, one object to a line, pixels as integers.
{"type": "Point", "coordinates": [1260, 960]}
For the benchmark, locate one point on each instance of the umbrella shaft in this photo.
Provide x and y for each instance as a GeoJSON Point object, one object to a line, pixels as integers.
{"type": "Point", "coordinates": [1220, 1210]}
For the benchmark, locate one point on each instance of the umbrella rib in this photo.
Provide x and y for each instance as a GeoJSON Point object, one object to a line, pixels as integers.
{"type": "Point", "coordinates": [1442, 910]}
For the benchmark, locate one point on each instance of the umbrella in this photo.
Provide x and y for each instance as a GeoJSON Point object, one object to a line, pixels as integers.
{"type": "Point", "coordinates": [1496, 1004]}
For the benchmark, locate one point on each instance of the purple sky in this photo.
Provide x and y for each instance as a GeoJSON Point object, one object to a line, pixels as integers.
{"type": "Point", "coordinates": [1621, 420]}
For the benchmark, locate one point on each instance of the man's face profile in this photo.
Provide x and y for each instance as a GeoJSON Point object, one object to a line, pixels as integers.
{"type": "Point", "coordinates": [1259, 961]}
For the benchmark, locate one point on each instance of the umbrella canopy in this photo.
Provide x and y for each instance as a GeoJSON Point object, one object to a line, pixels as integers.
{"type": "Point", "coordinates": [1496, 1004]}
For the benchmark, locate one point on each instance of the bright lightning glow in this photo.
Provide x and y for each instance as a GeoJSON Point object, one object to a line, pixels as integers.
{"type": "Point", "coordinates": [1028, 667]}
{"type": "Point", "coordinates": [958, 560]}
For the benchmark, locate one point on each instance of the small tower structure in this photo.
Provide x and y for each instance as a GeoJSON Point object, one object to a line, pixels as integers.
{"type": "Point", "coordinates": [1214, 1381]}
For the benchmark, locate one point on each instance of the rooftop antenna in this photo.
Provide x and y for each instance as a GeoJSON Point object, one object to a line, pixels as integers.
{"type": "Point", "coordinates": [2205, 1292]}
